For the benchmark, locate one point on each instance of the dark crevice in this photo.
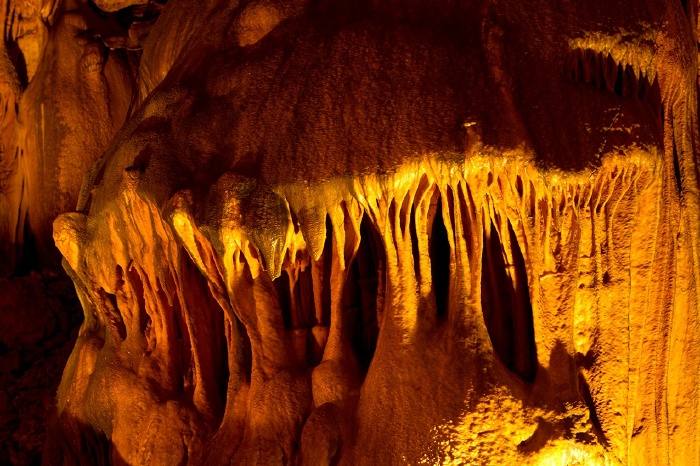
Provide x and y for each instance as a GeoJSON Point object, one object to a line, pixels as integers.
{"type": "Point", "coordinates": [585, 392]}
{"type": "Point", "coordinates": [403, 213]}
{"type": "Point", "coordinates": [223, 373]}
{"type": "Point", "coordinates": [295, 220]}
{"type": "Point", "coordinates": [241, 362]}
{"type": "Point", "coordinates": [526, 356]}
{"type": "Point", "coordinates": [327, 261]}
{"type": "Point", "coordinates": [533, 199]}
{"type": "Point", "coordinates": [466, 221]}
{"type": "Point", "coordinates": [439, 251]}
{"type": "Point", "coordinates": [28, 253]}
{"type": "Point", "coordinates": [112, 313]}
{"type": "Point", "coordinates": [604, 73]}
{"type": "Point", "coordinates": [506, 305]}
{"type": "Point", "coordinates": [95, 445]}
{"type": "Point", "coordinates": [361, 292]}
{"type": "Point", "coordinates": [297, 299]}
{"type": "Point", "coordinates": [654, 99]}
{"type": "Point", "coordinates": [206, 325]}
{"type": "Point", "coordinates": [178, 325]}
{"type": "Point", "coordinates": [414, 243]}
{"type": "Point", "coordinates": [119, 275]}
{"type": "Point", "coordinates": [297, 302]}
{"type": "Point", "coordinates": [72, 441]}
{"type": "Point", "coordinates": [413, 227]}
{"type": "Point", "coordinates": [619, 80]}
{"type": "Point", "coordinates": [181, 351]}
{"type": "Point", "coordinates": [145, 324]}
{"type": "Point", "coordinates": [283, 298]}
{"type": "Point", "coordinates": [16, 56]}
{"type": "Point", "coordinates": [141, 162]}
{"type": "Point", "coordinates": [519, 185]}
{"type": "Point", "coordinates": [304, 300]}
{"type": "Point", "coordinates": [392, 218]}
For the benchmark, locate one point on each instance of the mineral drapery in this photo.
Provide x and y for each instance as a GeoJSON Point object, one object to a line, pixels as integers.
{"type": "Point", "coordinates": [362, 232]}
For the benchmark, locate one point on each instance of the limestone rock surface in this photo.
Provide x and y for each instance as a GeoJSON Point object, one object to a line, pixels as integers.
{"type": "Point", "coordinates": [363, 232]}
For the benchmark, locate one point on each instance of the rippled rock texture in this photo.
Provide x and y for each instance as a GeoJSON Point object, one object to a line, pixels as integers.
{"type": "Point", "coordinates": [363, 232]}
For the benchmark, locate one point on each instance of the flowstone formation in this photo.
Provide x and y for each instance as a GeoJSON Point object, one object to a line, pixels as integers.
{"type": "Point", "coordinates": [366, 232]}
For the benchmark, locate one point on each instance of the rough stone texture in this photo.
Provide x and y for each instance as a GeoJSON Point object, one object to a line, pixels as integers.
{"type": "Point", "coordinates": [363, 232]}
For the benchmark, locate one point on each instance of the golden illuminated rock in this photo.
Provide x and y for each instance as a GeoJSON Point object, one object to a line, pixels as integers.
{"type": "Point", "coordinates": [366, 232]}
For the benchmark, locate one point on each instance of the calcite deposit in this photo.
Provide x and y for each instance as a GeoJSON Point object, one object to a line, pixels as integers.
{"type": "Point", "coordinates": [363, 231]}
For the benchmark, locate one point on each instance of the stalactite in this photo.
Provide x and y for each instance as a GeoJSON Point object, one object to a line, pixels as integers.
{"type": "Point", "coordinates": [361, 232]}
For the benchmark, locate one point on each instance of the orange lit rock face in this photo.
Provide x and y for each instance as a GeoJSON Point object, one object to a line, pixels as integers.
{"type": "Point", "coordinates": [374, 232]}
{"type": "Point", "coordinates": [62, 111]}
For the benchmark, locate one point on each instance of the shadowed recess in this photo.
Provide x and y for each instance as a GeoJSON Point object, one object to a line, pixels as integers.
{"type": "Point", "coordinates": [439, 251]}
{"type": "Point", "coordinates": [361, 293]}
{"type": "Point", "coordinates": [505, 302]}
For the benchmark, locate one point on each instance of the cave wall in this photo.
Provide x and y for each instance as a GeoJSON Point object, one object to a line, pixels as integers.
{"type": "Point", "coordinates": [374, 232]}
